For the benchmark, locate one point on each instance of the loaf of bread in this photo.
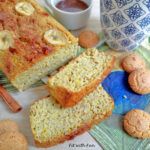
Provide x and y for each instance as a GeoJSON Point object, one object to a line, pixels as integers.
{"type": "Point", "coordinates": [80, 77]}
{"type": "Point", "coordinates": [52, 124]}
{"type": "Point", "coordinates": [32, 43]}
{"type": "Point", "coordinates": [13, 141]}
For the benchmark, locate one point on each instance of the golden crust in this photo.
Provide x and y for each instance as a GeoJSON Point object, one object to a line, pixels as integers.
{"type": "Point", "coordinates": [27, 30]}
{"type": "Point", "coordinates": [83, 128]}
{"type": "Point", "coordinates": [13, 140]}
{"type": "Point", "coordinates": [68, 98]}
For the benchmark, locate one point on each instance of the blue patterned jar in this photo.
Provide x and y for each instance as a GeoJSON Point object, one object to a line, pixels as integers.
{"type": "Point", "coordinates": [125, 23]}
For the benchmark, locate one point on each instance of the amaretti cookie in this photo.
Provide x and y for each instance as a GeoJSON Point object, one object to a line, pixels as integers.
{"type": "Point", "coordinates": [8, 126]}
{"type": "Point", "coordinates": [133, 62]}
{"type": "Point", "coordinates": [13, 141]}
{"type": "Point", "coordinates": [137, 123]}
{"type": "Point", "coordinates": [139, 81]}
{"type": "Point", "coordinates": [32, 43]}
{"type": "Point", "coordinates": [88, 39]}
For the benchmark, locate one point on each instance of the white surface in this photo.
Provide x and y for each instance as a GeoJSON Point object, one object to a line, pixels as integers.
{"type": "Point", "coordinates": [27, 98]}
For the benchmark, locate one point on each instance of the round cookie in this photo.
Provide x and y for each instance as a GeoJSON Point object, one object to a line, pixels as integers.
{"type": "Point", "coordinates": [88, 39]}
{"type": "Point", "coordinates": [139, 81]}
{"type": "Point", "coordinates": [7, 126]}
{"type": "Point", "coordinates": [137, 124]}
{"type": "Point", "coordinates": [13, 141]}
{"type": "Point", "coordinates": [133, 62]}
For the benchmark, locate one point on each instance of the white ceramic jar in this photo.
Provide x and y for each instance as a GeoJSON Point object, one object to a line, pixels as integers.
{"type": "Point", "coordinates": [125, 23]}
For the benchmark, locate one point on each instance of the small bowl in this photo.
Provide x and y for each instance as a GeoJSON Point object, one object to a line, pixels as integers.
{"type": "Point", "coordinates": [71, 20]}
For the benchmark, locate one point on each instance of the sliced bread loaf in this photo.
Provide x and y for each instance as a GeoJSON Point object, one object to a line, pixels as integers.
{"type": "Point", "coordinates": [32, 43]}
{"type": "Point", "coordinates": [52, 124]}
{"type": "Point", "coordinates": [80, 77]}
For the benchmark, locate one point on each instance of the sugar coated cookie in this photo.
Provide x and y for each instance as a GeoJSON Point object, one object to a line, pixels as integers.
{"type": "Point", "coordinates": [133, 62]}
{"type": "Point", "coordinates": [137, 124]}
{"type": "Point", "coordinates": [13, 141]}
{"type": "Point", "coordinates": [139, 81]}
{"type": "Point", "coordinates": [7, 126]}
{"type": "Point", "coordinates": [88, 39]}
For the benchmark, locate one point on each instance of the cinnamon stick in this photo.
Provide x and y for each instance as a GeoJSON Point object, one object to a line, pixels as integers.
{"type": "Point", "coordinates": [9, 100]}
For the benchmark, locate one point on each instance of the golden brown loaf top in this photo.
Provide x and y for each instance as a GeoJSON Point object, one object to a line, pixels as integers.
{"type": "Point", "coordinates": [24, 35]}
{"type": "Point", "coordinates": [51, 124]}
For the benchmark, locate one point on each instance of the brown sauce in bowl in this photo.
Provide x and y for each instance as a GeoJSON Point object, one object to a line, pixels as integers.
{"type": "Point", "coordinates": [72, 5]}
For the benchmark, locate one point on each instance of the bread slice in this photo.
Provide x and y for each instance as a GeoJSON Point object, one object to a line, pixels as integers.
{"type": "Point", "coordinates": [80, 77]}
{"type": "Point", "coordinates": [30, 56]}
{"type": "Point", "coordinates": [52, 124]}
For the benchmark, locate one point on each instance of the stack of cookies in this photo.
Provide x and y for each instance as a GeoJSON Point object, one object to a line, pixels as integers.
{"type": "Point", "coordinates": [137, 122]}
{"type": "Point", "coordinates": [139, 74]}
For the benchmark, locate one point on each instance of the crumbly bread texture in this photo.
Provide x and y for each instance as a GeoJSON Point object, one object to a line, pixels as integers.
{"type": "Point", "coordinates": [137, 123]}
{"type": "Point", "coordinates": [29, 57]}
{"type": "Point", "coordinates": [139, 81]}
{"type": "Point", "coordinates": [52, 124]}
{"type": "Point", "coordinates": [8, 126]}
{"type": "Point", "coordinates": [80, 77]}
{"type": "Point", "coordinates": [13, 141]}
{"type": "Point", "coordinates": [133, 62]}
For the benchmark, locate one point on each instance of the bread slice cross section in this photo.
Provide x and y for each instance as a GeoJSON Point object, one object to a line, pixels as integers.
{"type": "Point", "coordinates": [52, 124]}
{"type": "Point", "coordinates": [80, 77]}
